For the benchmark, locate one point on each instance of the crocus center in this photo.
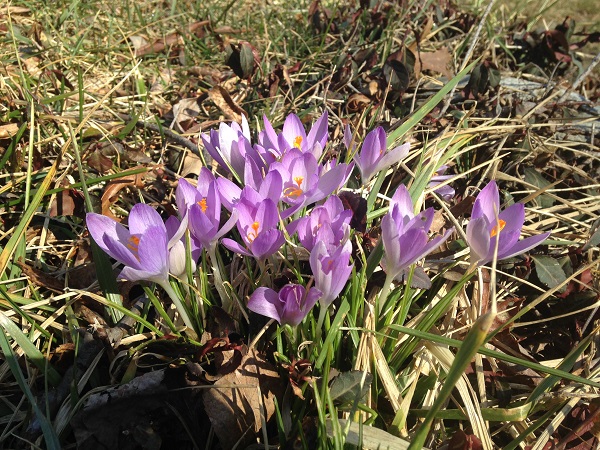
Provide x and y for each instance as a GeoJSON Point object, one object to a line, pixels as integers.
{"type": "Point", "coordinates": [498, 228]}
{"type": "Point", "coordinates": [132, 244]}
{"type": "Point", "coordinates": [253, 233]}
{"type": "Point", "coordinates": [298, 142]}
{"type": "Point", "coordinates": [294, 191]}
{"type": "Point", "coordinates": [203, 205]}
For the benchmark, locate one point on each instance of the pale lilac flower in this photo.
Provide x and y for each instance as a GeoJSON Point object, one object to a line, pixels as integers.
{"type": "Point", "coordinates": [374, 157]}
{"type": "Point", "coordinates": [143, 248]}
{"type": "Point", "coordinates": [304, 180]}
{"type": "Point", "coordinates": [289, 306]}
{"type": "Point", "coordinates": [489, 224]}
{"type": "Point", "coordinates": [230, 146]}
{"type": "Point", "coordinates": [202, 207]}
{"type": "Point", "coordinates": [257, 224]}
{"type": "Point", "coordinates": [294, 136]}
{"type": "Point", "coordinates": [405, 236]}
{"type": "Point", "coordinates": [331, 270]}
{"type": "Point", "coordinates": [328, 223]}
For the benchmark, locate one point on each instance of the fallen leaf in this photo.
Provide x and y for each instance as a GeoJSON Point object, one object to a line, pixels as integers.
{"type": "Point", "coordinates": [235, 403]}
{"type": "Point", "coordinates": [226, 104]}
{"type": "Point", "coordinates": [111, 193]}
{"type": "Point", "coordinates": [8, 130]}
{"type": "Point", "coordinates": [197, 29]}
{"type": "Point", "coordinates": [438, 61]}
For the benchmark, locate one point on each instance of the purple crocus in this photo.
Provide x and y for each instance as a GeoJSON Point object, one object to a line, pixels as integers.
{"type": "Point", "coordinates": [328, 223]}
{"type": "Point", "coordinates": [257, 224]}
{"type": "Point", "coordinates": [294, 136]}
{"type": "Point", "coordinates": [331, 270]}
{"type": "Point", "coordinates": [489, 224]}
{"type": "Point", "coordinates": [143, 248]}
{"type": "Point", "coordinates": [304, 180]}
{"type": "Point", "coordinates": [373, 156]}
{"type": "Point", "coordinates": [405, 236]}
{"type": "Point", "coordinates": [289, 306]}
{"type": "Point", "coordinates": [202, 207]}
{"type": "Point", "coordinates": [230, 146]}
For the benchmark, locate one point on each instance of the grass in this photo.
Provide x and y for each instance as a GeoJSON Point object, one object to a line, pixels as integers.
{"type": "Point", "coordinates": [101, 110]}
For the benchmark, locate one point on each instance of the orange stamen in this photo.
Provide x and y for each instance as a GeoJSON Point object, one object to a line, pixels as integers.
{"type": "Point", "coordinates": [498, 228]}
{"type": "Point", "coordinates": [298, 142]}
{"type": "Point", "coordinates": [298, 180]}
{"type": "Point", "coordinates": [203, 205]}
{"type": "Point", "coordinates": [133, 243]}
{"type": "Point", "coordinates": [254, 233]}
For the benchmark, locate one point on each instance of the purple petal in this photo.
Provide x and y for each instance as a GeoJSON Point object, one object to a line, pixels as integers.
{"type": "Point", "coordinates": [487, 203]}
{"type": "Point", "coordinates": [235, 247]}
{"type": "Point", "coordinates": [318, 133]}
{"type": "Point", "coordinates": [185, 196]}
{"type": "Point", "coordinates": [526, 244]}
{"type": "Point", "coordinates": [265, 301]}
{"type": "Point", "coordinates": [153, 253]}
{"type": "Point", "coordinates": [267, 243]}
{"type": "Point", "coordinates": [143, 217]}
{"type": "Point", "coordinates": [293, 132]}
{"type": "Point", "coordinates": [478, 238]}
{"type": "Point", "coordinates": [402, 198]}
{"type": "Point", "coordinates": [392, 157]}
{"type": "Point", "coordinates": [229, 192]}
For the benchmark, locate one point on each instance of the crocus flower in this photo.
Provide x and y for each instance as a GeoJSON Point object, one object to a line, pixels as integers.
{"type": "Point", "coordinates": [489, 224]}
{"type": "Point", "coordinates": [257, 224]}
{"type": "Point", "coordinates": [405, 236]}
{"type": "Point", "coordinates": [331, 270]}
{"type": "Point", "coordinates": [230, 146]}
{"type": "Point", "coordinates": [202, 207]}
{"type": "Point", "coordinates": [143, 248]}
{"type": "Point", "coordinates": [328, 223]}
{"type": "Point", "coordinates": [289, 306]}
{"type": "Point", "coordinates": [294, 136]}
{"type": "Point", "coordinates": [373, 156]}
{"type": "Point", "coordinates": [304, 180]}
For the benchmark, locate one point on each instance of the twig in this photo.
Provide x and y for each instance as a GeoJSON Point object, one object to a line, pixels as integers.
{"type": "Point", "coordinates": [580, 78]}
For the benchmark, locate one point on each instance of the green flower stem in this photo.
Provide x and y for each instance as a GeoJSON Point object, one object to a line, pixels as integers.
{"type": "Point", "coordinates": [385, 291]}
{"type": "Point", "coordinates": [181, 309]}
{"type": "Point", "coordinates": [225, 300]}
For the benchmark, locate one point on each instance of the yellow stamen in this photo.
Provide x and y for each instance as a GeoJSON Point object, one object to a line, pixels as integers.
{"type": "Point", "coordinates": [298, 180]}
{"type": "Point", "coordinates": [498, 228]}
{"type": "Point", "coordinates": [254, 233]}
{"type": "Point", "coordinates": [298, 142]}
{"type": "Point", "coordinates": [293, 192]}
{"type": "Point", "coordinates": [203, 205]}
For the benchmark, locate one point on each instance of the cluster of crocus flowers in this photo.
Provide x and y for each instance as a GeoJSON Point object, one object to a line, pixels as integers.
{"type": "Point", "coordinates": [280, 190]}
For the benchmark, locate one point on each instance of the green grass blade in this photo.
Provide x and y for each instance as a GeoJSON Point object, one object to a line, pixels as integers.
{"type": "Point", "coordinates": [30, 350]}
{"type": "Point", "coordinates": [474, 339]}
{"type": "Point", "coordinates": [50, 436]}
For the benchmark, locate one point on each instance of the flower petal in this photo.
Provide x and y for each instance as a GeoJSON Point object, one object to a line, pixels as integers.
{"type": "Point", "coordinates": [487, 203]}
{"type": "Point", "coordinates": [143, 217]}
{"type": "Point", "coordinates": [478, 238]}
{"type": "Point", "coordinates": [526, 244]}
{"type": "Point", "coordinates": [265, 301]}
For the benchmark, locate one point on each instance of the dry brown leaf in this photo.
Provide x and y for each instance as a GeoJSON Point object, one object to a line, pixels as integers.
{"type": "Point", "coordinates": [234, 405]}
{"type": "Point", "coordinates": [14, 10]}
{"type": "Point", "coordinates": [225, 103]}
{"type": "Point", "coordinates": [438, 61]}
{"type": "Point", "coordinates": [184, 113]}
{"type": "Point", "coordinates": [197, 29]}
{"type": "Point", "coordinates": [111, 193]}
{"type": "Point", "coordinates": [8, 130]}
